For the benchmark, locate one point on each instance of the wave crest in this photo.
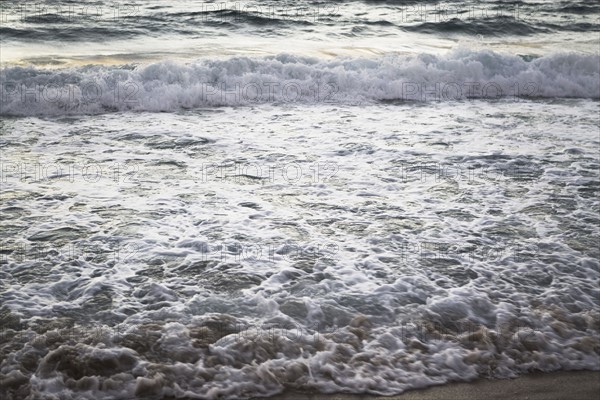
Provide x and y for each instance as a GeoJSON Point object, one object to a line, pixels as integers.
{"type": "Point", "coordinates": [240, 81]}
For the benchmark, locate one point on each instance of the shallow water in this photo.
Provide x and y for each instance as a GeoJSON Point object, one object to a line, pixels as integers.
{"type": "Point", "coordinates": [230, 252]}
{"type": "Point", "coordinates": [229, 203]}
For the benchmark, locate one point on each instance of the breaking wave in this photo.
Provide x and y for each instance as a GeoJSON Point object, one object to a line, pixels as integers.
{"type": "Point", "coordinates": [241, 81]}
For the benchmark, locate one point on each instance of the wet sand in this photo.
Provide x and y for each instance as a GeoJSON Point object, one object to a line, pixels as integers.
{"type": "Point", "coordinates": [575, 385]}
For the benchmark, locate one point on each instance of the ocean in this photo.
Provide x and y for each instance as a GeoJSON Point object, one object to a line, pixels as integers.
{"type": "Point", "coordinates": [228, 200]}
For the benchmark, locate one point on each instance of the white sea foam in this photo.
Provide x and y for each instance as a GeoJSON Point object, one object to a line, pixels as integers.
{"type": "Point", "coordinates": [175, 312]}
{"type": "Point", "coordinates": [171, 86]}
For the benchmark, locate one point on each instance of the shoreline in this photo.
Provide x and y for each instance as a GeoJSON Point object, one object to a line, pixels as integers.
{"type": "Point", "coordinates": [561, 385]}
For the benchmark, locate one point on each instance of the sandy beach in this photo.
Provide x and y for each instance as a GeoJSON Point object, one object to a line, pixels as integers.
{"type": "Point", "coordinates": [572, 385]}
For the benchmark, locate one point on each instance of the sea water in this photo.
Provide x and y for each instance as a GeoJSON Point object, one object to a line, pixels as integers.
{"type": "Point", "coordinates": [228, 200]}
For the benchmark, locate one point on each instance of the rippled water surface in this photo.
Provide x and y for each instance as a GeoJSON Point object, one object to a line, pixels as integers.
{"type": "Point", "coordinates": [239, 252]}
{"type": "Point", "coordinates": [230, 200]}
